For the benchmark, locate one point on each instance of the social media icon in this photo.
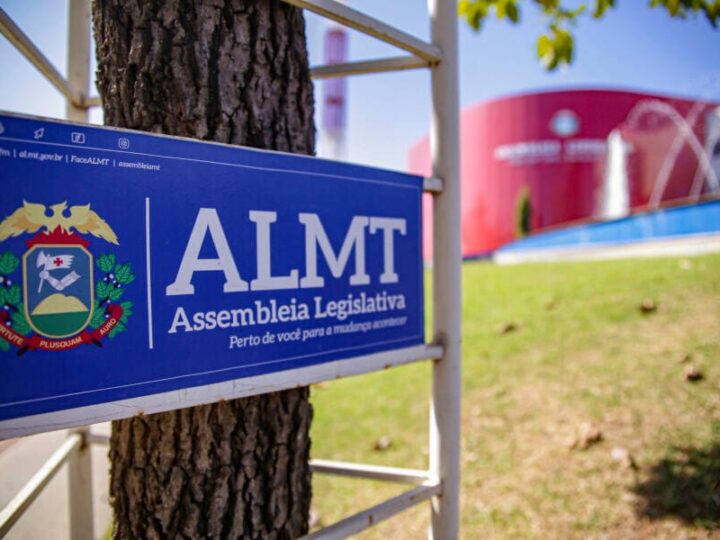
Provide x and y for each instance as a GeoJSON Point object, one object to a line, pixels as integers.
{"type": "Point", "coordinates": [123, 143]}
{"type": "Point", "coordinates": [39, 133]}
{"type": "Point", "coordinates": [77, 138]}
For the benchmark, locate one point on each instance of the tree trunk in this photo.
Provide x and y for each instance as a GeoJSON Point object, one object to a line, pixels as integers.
{"type": "Point", "coordinates": [233, 71]}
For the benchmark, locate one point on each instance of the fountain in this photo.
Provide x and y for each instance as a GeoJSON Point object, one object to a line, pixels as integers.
{"type": "Point", "coordinates": [712, 149]}
{"type": "Point", "coordinates": [685, 134]}
{"type": "Point", "coordinates": [688, 228]}
{"type": "Point", "coordinates": [614, 197]}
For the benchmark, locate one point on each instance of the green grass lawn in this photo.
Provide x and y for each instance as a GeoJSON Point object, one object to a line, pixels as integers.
{"type": "Point", "coordinates": [582, 352]}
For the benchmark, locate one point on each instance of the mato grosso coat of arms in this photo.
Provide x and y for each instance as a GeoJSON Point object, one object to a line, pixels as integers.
{"type": "Point", "coordinates": [65, 297]}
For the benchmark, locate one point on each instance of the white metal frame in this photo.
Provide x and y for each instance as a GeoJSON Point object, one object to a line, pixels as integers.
{"type": "Point", "coordinates": [440, 483]}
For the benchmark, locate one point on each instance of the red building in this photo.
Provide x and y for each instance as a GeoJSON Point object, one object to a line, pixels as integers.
{"type": "Point", "coordinates": [547, 152]}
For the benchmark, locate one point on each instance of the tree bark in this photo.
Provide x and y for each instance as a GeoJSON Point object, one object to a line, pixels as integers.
{"type": "Point", "coordinates": [233, 71]}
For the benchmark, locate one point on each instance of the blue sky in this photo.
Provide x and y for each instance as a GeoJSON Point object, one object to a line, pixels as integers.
{"type": "Point", "coordinates": [633, 47]}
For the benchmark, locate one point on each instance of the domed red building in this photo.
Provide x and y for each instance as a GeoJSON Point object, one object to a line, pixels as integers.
{"type": "Point", "coordinates": [537, 161]}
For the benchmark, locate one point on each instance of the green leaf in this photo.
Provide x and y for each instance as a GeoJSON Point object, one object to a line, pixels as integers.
{"type": "Point", "coordinates": [500, 9]}
{"type": "Point", "coordinates": [12, 295]}
{"type": "Point", "coordinates": [106, 263]}
{"type": "Point", "coordinates": [556, 48]}
{"type": "Point", "coordinates": [123, 274]}
{"type": "Point", "coordinates": [117, 329]}
{"type": "Point", "coordinates": [546, 52]}
{"type": "Point", "coordinates": [564, 46]}
{"type": "Point", "coordinates": [98, 316]}
{"type": "Point", "coordinates": [127, 311]}
{"type": "Point", "coordinates": [544, 47]}
{"type": "Point", "coordinates": [115, 294]}
{"type": "Point", "coordinates": [512, 12]}
{"type": "Point", "coordinates": [601, 6]}
{"type": "Point", "coordinates": [102, 289]}
{"type": "Point", "coordinates": [8, 263]}
{"type": "Point", "coordinates": [20, 324]}
{"type": "Point", "coordinates": [473, 11]}
{"type": "Point", "coordinates": [4, 345]}
{"type": "Point", "coordinates": [712, 13]}
{"type": "Point", "coordinates": [673, 6]}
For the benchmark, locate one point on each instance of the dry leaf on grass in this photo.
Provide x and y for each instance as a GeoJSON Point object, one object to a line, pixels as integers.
{"type": "Point", "coordinates": [693, 374]}
{"type": "Point", "coordinates": [588, 435]}
{"type": "Point", "coordinates": [623, 457]}
{"type": "Point", "coordinates": [507, 327]}
{"type": "Point", "coordinates": [383, 443]}
{"type": "Point", "coordinates": [314, 519]}
{"type": "Point", "coordinates": [647, 306]}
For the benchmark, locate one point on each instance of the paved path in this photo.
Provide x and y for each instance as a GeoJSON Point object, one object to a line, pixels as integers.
{"type": "Point", "coordinates": [47, 517]}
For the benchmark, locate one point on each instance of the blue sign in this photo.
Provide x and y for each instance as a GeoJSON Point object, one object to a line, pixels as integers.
{"type": "Point", "coordinates": [134, 264]}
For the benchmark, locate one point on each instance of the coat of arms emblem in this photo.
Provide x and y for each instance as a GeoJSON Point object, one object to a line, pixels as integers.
{"type": "Point", "coordinates": [62, 303]}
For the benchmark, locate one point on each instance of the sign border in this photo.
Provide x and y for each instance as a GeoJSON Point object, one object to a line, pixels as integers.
{"type": "Point", "coordinates": [204, 394]}
{"type": "Point", "coordinates": [410, 348]}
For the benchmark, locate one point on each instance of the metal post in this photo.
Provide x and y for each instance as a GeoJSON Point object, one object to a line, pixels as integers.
{"type": "Point", "coordinates": [78, 59]}
{"type": "Point", "coordinates": [80, 489]}
{"type": "Point", "coordinates": [78, 75]}
{"type": "Point", "coordinates": [444, 147]}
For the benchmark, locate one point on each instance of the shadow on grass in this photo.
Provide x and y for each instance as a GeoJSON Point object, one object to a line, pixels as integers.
{"type": "Point", "coordinates": [684, 485]}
